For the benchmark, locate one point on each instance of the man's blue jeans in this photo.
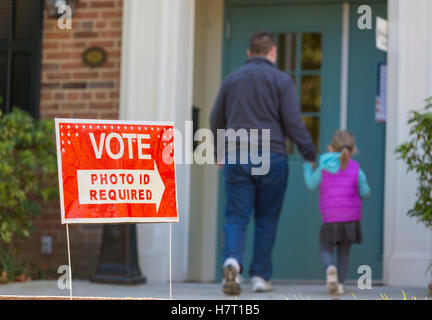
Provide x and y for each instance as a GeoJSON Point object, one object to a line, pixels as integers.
{"type": "Point", "coordinates": [259, 195]}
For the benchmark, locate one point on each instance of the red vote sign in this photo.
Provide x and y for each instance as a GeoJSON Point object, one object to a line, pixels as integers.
{"type": "Point", "coordinates": [116, 171]}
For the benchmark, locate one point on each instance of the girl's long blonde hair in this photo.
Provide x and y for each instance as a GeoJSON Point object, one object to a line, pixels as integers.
{"type": "Point", "coordinates": [343, 142]}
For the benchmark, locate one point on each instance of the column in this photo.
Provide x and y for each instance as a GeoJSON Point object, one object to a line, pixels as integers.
{"type": "Point", "coordinates": [407, 244]}
{"type": "Point", "coordinates": [156, 84]}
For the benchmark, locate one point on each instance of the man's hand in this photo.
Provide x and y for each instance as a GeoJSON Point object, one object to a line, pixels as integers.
{"type": "Point", "coordinates": [220, 166]}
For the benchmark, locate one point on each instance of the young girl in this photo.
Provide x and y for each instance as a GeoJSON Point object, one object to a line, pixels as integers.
{"type": "Point", "coordinates": [342, 186]}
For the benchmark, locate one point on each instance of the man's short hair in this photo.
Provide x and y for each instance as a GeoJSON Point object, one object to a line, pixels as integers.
{"type": "Point", "coordinates": [261, 43]}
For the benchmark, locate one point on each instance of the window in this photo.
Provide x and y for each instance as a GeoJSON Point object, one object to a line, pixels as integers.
{"type": "Point", "coordinates": [20, 46]}
{"type": "Point", "coordinates": [300, 56]}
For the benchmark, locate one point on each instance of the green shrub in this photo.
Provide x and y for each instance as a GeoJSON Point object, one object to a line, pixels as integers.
{"type": "Point", "coordinates": [28, 170]}
{"type": "Point", "coordinates": [12, 267]}
{"type": "Point", "coordinates": [417, 154]}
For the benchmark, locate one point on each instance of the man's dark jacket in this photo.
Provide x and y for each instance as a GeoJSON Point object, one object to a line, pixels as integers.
{"type": "Point", "coordinates": [259, 96]}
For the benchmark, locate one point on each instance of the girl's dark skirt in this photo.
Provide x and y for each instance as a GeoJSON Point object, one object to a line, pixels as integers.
{"type": "Point", "coordinates": [341, 232]}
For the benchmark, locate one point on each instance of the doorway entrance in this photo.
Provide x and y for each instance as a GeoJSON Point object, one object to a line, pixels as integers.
{"type": "Point", "coordinates": [309, 41]}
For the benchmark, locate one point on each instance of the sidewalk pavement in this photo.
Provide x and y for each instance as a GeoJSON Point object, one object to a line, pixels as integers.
{"type": "Point", "coordinates": [210, 291]}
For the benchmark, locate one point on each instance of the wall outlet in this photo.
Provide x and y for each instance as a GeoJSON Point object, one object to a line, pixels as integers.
{"type": "Point", "coordinates": [46, 245]}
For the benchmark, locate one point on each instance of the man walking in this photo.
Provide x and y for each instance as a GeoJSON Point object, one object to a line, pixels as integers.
{"type": "Point", "coordinates": [257, 96]}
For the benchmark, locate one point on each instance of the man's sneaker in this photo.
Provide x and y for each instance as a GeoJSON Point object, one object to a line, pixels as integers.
{"type": "Point", "coordinates": [231, 279]}
{"type": "Point", "coordinates": [260, 285]}
{"type": "Point", "coordinates": [332, 279]}
{"type": "Point", "coordinates": [340, 289]}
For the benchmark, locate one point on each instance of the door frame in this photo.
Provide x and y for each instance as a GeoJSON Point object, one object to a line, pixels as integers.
{"type": "Point", "coordinates": [345, 59]}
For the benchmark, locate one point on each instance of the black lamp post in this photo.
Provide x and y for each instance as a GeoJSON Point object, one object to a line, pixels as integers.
{"type": "Point", "coordinates": [118, 259]}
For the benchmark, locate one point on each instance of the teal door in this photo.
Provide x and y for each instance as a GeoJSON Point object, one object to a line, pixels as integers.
{"type": "Point", "coordinates": [309, 43]}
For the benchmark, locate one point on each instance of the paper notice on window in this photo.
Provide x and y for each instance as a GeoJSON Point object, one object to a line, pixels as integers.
{"type": "Point", "coordinates": [381, 34]}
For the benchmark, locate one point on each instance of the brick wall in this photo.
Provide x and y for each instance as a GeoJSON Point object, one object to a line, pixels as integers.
{"type": "Point", "coordinates": [71, 89]}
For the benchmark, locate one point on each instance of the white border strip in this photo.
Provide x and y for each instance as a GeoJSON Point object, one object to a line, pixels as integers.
{"type": "Point", "coordinates": [121, 220]}
{"type": "Point", "coordinates": [97, 121]}
{"type": "Point", "coordinates": [107, 220]}
{"type": "Point", "coordinates": [60, 168]}
{"type": "Point", "coordinates": [344, 65]}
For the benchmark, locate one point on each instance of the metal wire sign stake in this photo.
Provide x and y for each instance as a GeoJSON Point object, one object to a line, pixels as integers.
{"type": "Point", "coordinates": [69, 261]}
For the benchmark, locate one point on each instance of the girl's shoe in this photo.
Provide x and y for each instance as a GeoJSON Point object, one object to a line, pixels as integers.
{"type": "Point", "coordinates": [340, 289]}
{"type": "Point", "coordinates": [332, 279]}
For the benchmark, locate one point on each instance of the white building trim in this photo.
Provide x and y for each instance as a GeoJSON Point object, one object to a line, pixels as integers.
{"type": "Point", "coordinates": [407, 244]}
{"type": "Point", "coordinates": [205, 179]}
{"type": "Point", "coordinates": [156, 84]}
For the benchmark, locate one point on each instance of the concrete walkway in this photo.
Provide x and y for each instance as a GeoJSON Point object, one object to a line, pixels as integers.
{"type": "Point", "coordinates": [209, 291]}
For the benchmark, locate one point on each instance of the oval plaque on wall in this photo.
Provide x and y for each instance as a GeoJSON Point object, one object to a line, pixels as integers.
{"type": "Point", "coordinates": [94, 57]}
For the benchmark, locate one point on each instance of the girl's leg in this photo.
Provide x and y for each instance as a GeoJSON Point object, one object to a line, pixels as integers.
{"type": "Point", "coordinates": [330, 269]}
{"type": "Point", "coordinates": [326, 253]}
{"type": "Point", "coordinates": [343, 260]}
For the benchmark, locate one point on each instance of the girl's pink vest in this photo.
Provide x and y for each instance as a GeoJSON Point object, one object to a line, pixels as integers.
{"type": "Point", "coordinates": [339, 196]}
